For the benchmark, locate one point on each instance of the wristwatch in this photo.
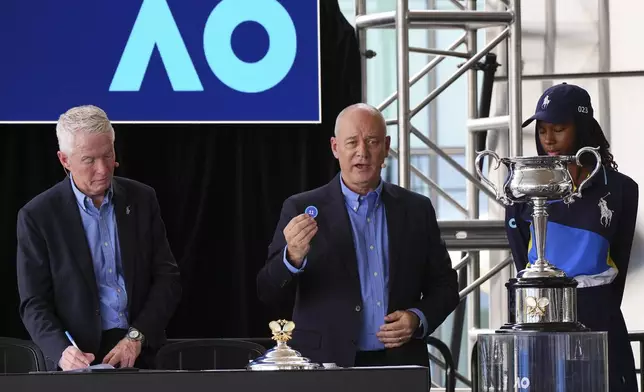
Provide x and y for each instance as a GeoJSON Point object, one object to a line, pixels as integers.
{"type": "Point", "coordinates": [135, 335]}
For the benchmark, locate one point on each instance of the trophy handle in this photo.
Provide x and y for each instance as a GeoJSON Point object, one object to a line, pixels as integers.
{"type": "Point", "coordinates": [488, 183]}
{"type": "Point", "coordinates": [598, 165]}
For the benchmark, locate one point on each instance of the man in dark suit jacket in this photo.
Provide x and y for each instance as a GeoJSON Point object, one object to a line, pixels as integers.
{"type": "Point", "coordinates": [93, 259]}
{"type": "Point", "coordinates": [372, 275]}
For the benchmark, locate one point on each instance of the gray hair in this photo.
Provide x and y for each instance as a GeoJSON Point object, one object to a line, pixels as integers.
{"type": "Point", "coordinates": [359, 106]}
{"type": "Point", "coordinates": [87, 119]}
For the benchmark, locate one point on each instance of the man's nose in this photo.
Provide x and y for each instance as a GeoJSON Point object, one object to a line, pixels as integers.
{"type": "Point", "coordinates": [101, 166]}
{"type": "Point", "coordinates": [363, 151]}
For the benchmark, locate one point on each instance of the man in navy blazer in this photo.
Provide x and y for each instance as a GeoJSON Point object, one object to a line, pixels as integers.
{"type": "Point", "coordinates": [371, 274]}
{"type": "Point", "coordinates": [98, 282]}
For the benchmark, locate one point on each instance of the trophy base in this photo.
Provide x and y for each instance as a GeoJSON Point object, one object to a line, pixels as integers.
{"type": "Point", "coordinates": [543, 327]}
{"type": "Point", "coordinates": [541, 271]}
{"type": "Point", "coordinates": [535, 303]}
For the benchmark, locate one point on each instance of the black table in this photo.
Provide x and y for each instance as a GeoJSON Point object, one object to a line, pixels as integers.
{"type": "Point", "coordinates": [378, 379]}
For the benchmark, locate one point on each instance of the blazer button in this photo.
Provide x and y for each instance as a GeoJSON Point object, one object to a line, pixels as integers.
{"type": "Point", "coordinates": [97, 312]}
{"type": "Point", "coordinates": [358, 308]}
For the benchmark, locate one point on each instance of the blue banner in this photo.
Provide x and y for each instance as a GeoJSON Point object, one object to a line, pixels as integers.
{"type": "Point", "coordinates": [229, 61]}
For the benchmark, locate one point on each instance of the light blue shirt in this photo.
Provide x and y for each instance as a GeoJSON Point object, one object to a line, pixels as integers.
{"type": "Point", "coordinates": [102, 238]}
{"type": "Point", "coordinates": [370, 236]}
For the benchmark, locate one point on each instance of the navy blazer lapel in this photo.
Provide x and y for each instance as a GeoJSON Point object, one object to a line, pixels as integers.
{"type": "Point", "coordinates": [395, 213]}
{"type": "Point", "coordinates": [125, 224]}
{"type": "Point", "coordinates": [339, 228]}
{"type": "Point", "coordinates": [73, 224]}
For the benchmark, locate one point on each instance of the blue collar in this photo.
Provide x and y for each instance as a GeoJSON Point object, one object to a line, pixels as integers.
{"type": "Point", "coordinates": [85, 201]}
{"type": "Point", "coordinates": [351, 196]}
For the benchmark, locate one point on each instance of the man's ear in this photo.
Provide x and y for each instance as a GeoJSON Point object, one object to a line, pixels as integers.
{"type": "Point", "coordinates": [334, 147]}
{"type": "Point", "coordinates": [64, 160]}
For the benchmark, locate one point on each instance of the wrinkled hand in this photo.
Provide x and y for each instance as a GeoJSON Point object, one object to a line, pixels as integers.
{"type": "Point", "coordinates": [74, 358]}
{"type": "Point", "coordinates": [298, 233]}
{"type": "Point", "coordinates": [399, 327]}
{"type": "Point", "coordinates": [124, 353]}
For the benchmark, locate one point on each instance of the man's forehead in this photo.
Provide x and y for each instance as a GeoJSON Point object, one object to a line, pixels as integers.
{"type": "Point", "coordinates": [362, 131]}
{"type": "Point", "coordinates": [363, 124]}
{"type": "Point", "coordinates": [89, 148]}
{"type": "Point", "coordinates": [94, 146]}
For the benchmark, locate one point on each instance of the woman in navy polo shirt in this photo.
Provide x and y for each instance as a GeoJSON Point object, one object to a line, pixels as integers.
{"type": "Point", "coordinates": [590, 239]}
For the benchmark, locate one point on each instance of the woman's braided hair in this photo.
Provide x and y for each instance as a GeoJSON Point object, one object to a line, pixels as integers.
{"type": "Point", "coordinates": [588, 133]}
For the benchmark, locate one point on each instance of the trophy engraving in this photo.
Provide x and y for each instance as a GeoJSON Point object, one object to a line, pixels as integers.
{"type": "Point", "coordinates": [536, 307]}
{"type": "Point", "coordinates": [538, 180]}
{"type": "Point", "coordinates": [282, 357]}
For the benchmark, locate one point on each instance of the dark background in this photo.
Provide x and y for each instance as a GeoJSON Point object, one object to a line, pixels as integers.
{"type": "Point", "coordinates": [220, 188]}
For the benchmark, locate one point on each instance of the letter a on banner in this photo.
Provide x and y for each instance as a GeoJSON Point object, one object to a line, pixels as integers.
{"type": "Point", "coordinates": [155, 26]}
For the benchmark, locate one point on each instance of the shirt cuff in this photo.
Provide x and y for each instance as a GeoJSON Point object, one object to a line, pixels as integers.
{"type": "Point", "coordinates": [291, 267]}
{"type": "Point", "coordinates": [420, 331]}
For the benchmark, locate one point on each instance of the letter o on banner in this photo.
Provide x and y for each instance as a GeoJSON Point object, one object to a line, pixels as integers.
{"type": "Point", "coordinates": [240, 75]}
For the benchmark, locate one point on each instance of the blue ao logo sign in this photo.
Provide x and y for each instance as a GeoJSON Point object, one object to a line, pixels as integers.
{"type": "Point", "coordinates": [162, 61]}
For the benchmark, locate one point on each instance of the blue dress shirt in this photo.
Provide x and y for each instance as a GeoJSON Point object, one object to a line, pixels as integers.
{"type": "Point", "coordinates": [102, 238]}
{"type": "Point", "coordinates": [369, 230]}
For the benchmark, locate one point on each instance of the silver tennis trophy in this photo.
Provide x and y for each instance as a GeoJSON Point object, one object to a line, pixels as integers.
{"type": "Point", "coordinates": [541, 297]}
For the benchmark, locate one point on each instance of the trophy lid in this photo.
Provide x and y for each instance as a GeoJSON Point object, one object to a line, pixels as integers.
{"type": "Point", "coordinates": [541, 271]}
{"type": "Point", "coordinates": [282, 357]}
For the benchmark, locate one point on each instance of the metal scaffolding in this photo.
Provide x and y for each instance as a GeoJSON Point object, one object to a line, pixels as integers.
{"type": "Point", "coordinates": [466, 18]}
{"type": "Point", "coordinates": [483, 234]}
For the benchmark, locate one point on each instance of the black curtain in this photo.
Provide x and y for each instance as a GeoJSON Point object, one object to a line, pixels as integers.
{"type": "Point", "coordinates": [220, 188]}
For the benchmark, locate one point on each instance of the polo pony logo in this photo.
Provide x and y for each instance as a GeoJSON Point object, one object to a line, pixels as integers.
{"type": "Point", "coordinates": [546, 102]}
{"type": "Point", "coordinates": [606, 213]}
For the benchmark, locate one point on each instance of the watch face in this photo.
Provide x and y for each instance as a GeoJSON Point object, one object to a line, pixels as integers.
{"type": "Point", "coordinates": [133, 334]}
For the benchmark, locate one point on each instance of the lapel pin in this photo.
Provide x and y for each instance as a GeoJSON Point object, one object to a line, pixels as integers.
{"type": "Point", "coordinates": [312, 211]}
{"type": "Point", "coordinates": [127, 210]}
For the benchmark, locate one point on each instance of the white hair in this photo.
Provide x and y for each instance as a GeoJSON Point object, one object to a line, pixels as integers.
{"type": "Point", "coordinates": [87, 119]}
{"type": "Point", "coordinates": [360, 106]}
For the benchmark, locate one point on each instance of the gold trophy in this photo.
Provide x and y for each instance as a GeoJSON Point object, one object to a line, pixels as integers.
{"type": "Point", "coordinates": [282, 357]}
